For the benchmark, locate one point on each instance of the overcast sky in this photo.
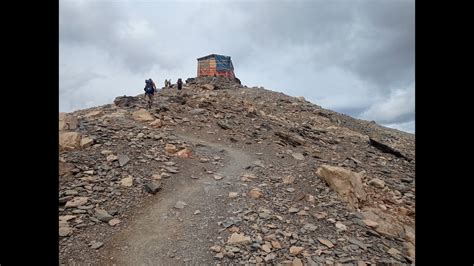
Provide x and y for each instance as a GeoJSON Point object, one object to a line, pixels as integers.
{"type": "Point", "coordinates": [354, 57]}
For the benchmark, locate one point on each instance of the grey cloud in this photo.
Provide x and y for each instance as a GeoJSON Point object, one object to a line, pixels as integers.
{"type": "Point", "coordinates": [107, 26]}
{"type": "Point", "coordinates": [406, 126]}
{"type": "Point", "coordinates": [74, 81]}
{"type": "Point", "coordinates": [87, 22]}
{"type": "Point", "coordinates": [398, 108]}
{"type": "Point", "coordinates": [375, 40]}
{"type": "Point", "coordinates": [384, 46]}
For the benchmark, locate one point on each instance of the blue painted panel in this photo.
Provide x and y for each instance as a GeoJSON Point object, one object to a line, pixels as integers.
{"type": "Point", "coordinates": [223, 63]}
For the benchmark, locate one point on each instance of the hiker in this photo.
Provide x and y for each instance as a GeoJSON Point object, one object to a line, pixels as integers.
{"type": "Point", "coordinates": [149, 91]}
{"type": "Point", "coordinates": [180, 84]}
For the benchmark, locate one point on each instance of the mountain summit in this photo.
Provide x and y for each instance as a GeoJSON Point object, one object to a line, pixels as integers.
{"type": "Point", "coordinates": [220, 173]}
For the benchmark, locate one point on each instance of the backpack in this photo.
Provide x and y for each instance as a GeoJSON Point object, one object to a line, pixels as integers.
{"type": "Point", "coordinates": [149, 89]}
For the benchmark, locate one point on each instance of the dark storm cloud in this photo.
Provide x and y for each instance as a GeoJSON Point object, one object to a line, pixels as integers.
{"type": "Point", "coordinates": [386, 55]}
{"type": "Point", "coordinates": [373, 39]}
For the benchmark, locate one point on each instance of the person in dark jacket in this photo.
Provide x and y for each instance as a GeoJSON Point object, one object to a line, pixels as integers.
{"type": "Point", "coordinates": [150, 89]}
{"type": "Point", "coordinates": [180, 84]}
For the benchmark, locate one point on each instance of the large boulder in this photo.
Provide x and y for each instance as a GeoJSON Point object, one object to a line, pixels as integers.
{"type": "Point", "coordinates": [346, 183]}
{"type": "Point", "coordinates": [69, 141]}
{"type": "Point", "coordinates": [86, 142]}
{"type": "Point", "coordinates": [384, 223]}
{"type": "Point", "coordinates": [142, 115]}
{"type": "Point", "coordinates": [67, 122]}
{"type": "Point", "coordinates": [65, 168]}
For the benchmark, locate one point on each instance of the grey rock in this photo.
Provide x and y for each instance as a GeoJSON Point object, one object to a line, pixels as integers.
{"type": "Point", "coordinates": [153, 187]}
{"type": "Point", "coordinates": [158, 136]}
{"type": "Point", "coordinates": [123, 159]}
{"type": "Point", "coordinates": [180, 205]}
{"type": "Point", "coordinates": [310, 227]}
{"type": "Point", "coordinates": [70, 192]}
{"type": "Point", "coordinates": [86, 207]}
{"type": "Point", "coordinates": [197, 111]}
{"type": "Point", "coordinates": [103, 215]}
{"type": "Point", "coordinates": [298, 156]}
{"type": "Point", "coordinates": [64, 199]}
{"type": "Point", "coordinates": [259, 163]}
{"type": "Point", "coordinates": [96, 245]}
{"type": "Point", "coordinates": [231, 221]}
{"type": "Point", "coordinates": [358, 243]}
{"type": "Point", "coordinates": [353, 247]}
{"type": "Point", "coordinates": [172, 170]}
{"type": "Point", "coordinates": [255, 246]}
{"type": "Point", "coordinates": [270, 257]}
{"type": "Point", "coordinates": [223, 125]}
{"type": "Point", "coordinates": [293, 210]}
{"type": "Point", "coordinates": [95, 220]}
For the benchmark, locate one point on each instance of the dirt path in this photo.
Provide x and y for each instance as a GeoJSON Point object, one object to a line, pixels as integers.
{"type": "Point", "coordinates": [166, 235]}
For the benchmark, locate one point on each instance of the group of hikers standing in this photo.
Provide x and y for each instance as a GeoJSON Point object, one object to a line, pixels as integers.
{"type": "Point", "coordinates": [150, 89]}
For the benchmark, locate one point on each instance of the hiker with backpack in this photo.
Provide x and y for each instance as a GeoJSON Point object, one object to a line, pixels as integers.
{"type": "Point", "coordinates": [150, 89]}
{"type": "Point", "coordinates": [180, 84]}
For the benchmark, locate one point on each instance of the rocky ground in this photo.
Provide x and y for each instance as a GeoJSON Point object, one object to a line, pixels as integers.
{"type": "Point", "coordinates": [224, 174]}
